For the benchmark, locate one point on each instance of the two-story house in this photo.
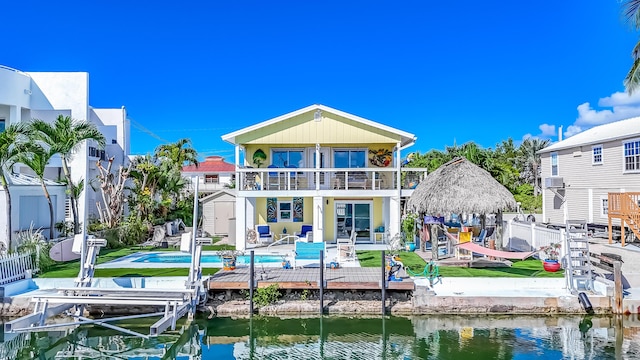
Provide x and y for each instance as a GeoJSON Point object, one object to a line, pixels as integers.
{"type": "Point", "coordinates": [45, 95]}
{"type": "Point", "coordinates": [213, 174]}
{"type": "Point", "coordinates": [323, 167]}
{"type": "Point", "coordinates": [581, 171]}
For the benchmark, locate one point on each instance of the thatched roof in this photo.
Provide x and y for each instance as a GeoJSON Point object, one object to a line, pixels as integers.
{"type": "Point", "coordinates": [460, 186]}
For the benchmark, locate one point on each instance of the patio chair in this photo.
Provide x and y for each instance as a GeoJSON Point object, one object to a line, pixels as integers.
{"type": "Point", "coordinates": [265, 235]}
{"type": "Point", "coordinates": [463, 254]}
{"type": "Point", "coordinates": [306, 233]}
{"type": "Point", "coordinates": [158, 238]}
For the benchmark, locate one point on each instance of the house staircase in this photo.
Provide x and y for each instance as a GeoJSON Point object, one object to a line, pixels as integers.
{"type": "Point", "coordinates": [625, 207]}
{"type": "Point", "coordinates": [578, 266]}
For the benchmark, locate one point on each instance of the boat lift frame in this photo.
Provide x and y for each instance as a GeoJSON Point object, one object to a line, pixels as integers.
{"type": "Point", "coordinates": [176, 302]}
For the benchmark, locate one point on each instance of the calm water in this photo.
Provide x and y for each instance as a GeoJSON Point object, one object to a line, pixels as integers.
{"type": "Point", "coordinates": [431, 337]}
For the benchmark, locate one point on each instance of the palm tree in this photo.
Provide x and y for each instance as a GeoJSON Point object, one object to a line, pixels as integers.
{"type": "Point", "coordinates": [12, 142]}
{"type": "Point", "coordinates": [631, 12]}
{"type": "Point", "coordinates": [530, 158]}
{"type": "Point", "coordinates": [36, 158]}
{"type": "Point", "coordinates": [64, 137]}
{"type": "Point", "coordinates": [179, 153]}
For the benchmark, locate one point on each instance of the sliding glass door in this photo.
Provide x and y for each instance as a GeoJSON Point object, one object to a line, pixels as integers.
{"type": "Point", "coordinates": [354, 216]}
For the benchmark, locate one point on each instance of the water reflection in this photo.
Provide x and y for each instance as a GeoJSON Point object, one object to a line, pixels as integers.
{"type": "Point", "coordinates": [425, 337]}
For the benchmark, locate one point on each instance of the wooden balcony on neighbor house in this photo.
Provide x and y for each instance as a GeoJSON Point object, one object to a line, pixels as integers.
{"type": "Point", "coordinates": [333, 179]}
{"type": "Point", "coordinates": [626, 207]}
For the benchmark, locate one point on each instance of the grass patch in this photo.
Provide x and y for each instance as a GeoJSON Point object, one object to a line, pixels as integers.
{"type": "Point", "coordinates": [524, 268]}
{"type": "Point", "coordinates": [70, 269]}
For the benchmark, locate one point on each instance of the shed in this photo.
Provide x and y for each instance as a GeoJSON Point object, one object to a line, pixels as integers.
{"type": "Point", "coordinates": [217, 209]}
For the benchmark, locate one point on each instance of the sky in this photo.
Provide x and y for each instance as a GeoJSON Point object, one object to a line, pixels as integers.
{"type": "Point", "coordinates": [449, 72]}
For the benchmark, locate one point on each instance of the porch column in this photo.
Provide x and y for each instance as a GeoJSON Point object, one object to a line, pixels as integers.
{"type": "Point", "coordinates": [318, 218]}
{"type": "Point", "coordinates": [394, 216]}
{"type": "Point", "coordinates": [241, 226]}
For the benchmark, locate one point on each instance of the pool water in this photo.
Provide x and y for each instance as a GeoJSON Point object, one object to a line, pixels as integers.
{"type": "Point", "coordinates": [206, 259]}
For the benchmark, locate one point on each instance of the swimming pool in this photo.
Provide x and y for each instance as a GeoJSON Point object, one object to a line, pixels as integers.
{"type": "Point", "coordinates": [206, 259]}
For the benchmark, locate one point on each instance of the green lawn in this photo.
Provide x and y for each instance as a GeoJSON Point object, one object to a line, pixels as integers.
{"type": "Point", "coordinates": [525, 268]}
{"type": "Point", "coordinates": [71, 268]}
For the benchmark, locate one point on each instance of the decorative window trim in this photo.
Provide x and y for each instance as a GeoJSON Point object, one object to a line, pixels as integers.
{"type": "Point", "coordinates": [597, 155]}
{"type": "Point", "coordinates": [285, 210]}
{"type": "Point", "coordinates": [603, 204]}
{"type": "Point", "coordinates": [624, 157]}
{"type": "Point", "coordinates": [552, 156]}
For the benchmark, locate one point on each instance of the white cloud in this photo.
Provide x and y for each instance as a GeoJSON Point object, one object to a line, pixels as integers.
{"type": "Point", "coordinates": [572, 130]}
{"type": "Point", "coordinates": [620, 99]}
{"type": "Point", "coordinates": [617, 106]}
{"type": "Point", "coordinates": [547, 130]}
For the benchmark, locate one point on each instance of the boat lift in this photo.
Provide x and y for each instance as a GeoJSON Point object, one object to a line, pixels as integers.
{"type": "Point", "coordinates": [176, 302]}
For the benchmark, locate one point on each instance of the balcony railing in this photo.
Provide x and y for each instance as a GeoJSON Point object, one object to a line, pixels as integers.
{"type": "Point", "coordinates": [292, 179]}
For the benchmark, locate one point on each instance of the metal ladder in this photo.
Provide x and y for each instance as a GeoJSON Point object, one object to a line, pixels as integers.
{"type": "Point", "coordinates": [578, 266]}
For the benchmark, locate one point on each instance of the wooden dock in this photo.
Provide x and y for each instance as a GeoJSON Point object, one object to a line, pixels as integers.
{"type": "Point", "coordinates": [348, 278]}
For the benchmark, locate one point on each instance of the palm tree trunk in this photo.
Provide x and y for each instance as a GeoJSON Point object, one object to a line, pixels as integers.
{"type": "Point", "coordinates": [535, 179]}
{"type": "Point", "coordinates": [7, 197]}
{"type": "Point", "coordinates": [72, 195]}
{"type": "Point", "coordinates": [46, 194]}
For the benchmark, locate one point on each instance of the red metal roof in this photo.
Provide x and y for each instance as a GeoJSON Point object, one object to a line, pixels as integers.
{"type": "Point", "coordinates": [211, 164]}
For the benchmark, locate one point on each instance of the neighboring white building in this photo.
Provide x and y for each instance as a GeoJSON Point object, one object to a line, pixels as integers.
{"type": "Point", "coordinates": [580, 171]}
{"type": "Point", "coordinates": [45, 95]}
{"type": "Point", "coordinates": [213, 173]}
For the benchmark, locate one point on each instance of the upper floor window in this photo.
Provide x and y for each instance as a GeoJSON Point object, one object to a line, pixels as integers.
{"type": "Point", "coordinates": [95, 152]}
{"type": "Point", "coordinates": [554, 164]}
{"type": "Point", "coordinates": [211, 179]}
{"type": "Point", "coordinates": [632, 155]}
{"type": "Point", "coordinates": [350, 158]}
{"type": "Point", "coordinates": [596, 151]}
{"type": "Point", "coordinates": [287, 158]}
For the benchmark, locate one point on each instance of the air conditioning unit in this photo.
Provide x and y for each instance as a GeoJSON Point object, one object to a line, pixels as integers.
{"type": "Point", "coordinates": [554, 182]}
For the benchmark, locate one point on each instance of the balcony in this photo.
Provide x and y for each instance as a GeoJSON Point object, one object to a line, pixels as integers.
{"type": "Point", "coordinates": [383, 181]}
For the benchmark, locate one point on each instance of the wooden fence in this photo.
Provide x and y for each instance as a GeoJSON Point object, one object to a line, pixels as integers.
{"type": "Point", "coordinates": [14, 267]}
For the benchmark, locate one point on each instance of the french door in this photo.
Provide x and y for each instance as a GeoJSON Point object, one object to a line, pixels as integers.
{"type": "Point", "coordinates": [354, 216]}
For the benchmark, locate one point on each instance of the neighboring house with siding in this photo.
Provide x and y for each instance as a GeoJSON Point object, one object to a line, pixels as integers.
{"type": "Point", "coordinates": [323, 167]}
{"type": "Point", "coordinates": [579, 172]}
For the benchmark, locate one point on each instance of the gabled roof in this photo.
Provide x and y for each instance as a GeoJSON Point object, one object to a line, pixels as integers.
{"type": "Point", "coordinates": [406, 138]}
{"type": "Point", "coordinates": [211, 164]}
{"type": "Point", "coordinates": [623, 129]}
{"type": "Point", "coordinates": [218, 194]}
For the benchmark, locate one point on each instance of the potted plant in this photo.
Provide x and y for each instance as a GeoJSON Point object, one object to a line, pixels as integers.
{"type": "Point", "coordinates": [551, 252]}
{"type": "Point", "coordinates": [229, 258]}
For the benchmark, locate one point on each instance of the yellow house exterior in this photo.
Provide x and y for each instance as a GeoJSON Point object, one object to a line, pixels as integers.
{"type": "Point", "coordinates": [319, 166]}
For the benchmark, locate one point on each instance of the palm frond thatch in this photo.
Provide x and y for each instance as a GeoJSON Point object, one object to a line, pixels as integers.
{"type": "Point", "coordinates": [459, 187]}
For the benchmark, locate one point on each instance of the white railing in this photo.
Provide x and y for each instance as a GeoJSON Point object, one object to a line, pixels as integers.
{"type": "Point", "coordinates": [14, 267]}
{"type": "Point", "coordinates": [530, 236]}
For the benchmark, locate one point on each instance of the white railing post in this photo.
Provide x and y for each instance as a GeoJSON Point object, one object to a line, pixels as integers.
{"type": "Point", "coordinates": [533, 236]}
{"type": "Point", "coordinates": [563, 241]}
{"type": "Point", "coordinates": [510, 226]}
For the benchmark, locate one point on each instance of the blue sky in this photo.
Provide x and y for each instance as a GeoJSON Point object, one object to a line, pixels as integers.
{"type": "Point", "coordinates": [447, 71]}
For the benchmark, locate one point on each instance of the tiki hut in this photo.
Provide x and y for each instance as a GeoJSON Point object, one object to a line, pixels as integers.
{"type": "Point", "coordinates": [458, 187]}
